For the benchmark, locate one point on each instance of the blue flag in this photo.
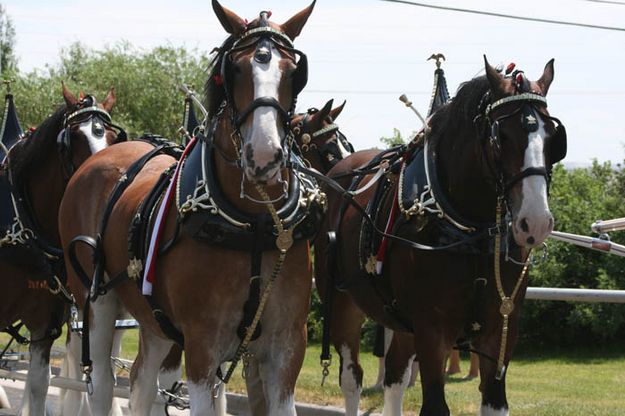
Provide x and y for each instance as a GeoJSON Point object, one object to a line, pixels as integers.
{"type": "Point", "coordinates": [440, 94]}
{"type": "Point", "coordinates": [10, 130]}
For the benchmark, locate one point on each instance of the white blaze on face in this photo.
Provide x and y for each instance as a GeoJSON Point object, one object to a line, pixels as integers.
{"type": "Point", "coordinates": [96, 143]}
{"type": "Point", "coordinates": [534, 221]}
{"type": "Point", "coordinates": [266, 125]}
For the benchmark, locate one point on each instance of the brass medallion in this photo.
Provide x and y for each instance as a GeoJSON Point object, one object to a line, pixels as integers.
{"type": "Point", "coordinates": [507, 306]}
{"type": "Point", "coordinates": [370, 266]}
{"type": "Point", "coordinates": [284, 241]}
{"type": "Point", "coordinates": [134, 269]}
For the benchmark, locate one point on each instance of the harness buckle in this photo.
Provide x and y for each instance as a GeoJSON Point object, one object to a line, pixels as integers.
{"type": "Point", "coordinates": [325, 372]}
{"type": "Point", "coordinates": [496, 230]}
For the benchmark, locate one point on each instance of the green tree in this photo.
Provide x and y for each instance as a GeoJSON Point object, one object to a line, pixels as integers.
{"type": "Point", "coordinates": [8, 62]}
{"type": "Point", "coordinates": [578, 198]}
{"type": "Point", "coordinates": [395, 140]}
{"type": "Point", "coordinates": [146, 84]}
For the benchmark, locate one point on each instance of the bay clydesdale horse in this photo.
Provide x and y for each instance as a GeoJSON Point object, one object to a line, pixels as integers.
{"type": "Point", "coordinates": [231, 278]}
{"type": "Point", "coordinates": [442, 252]}
{"type": "Point", "coordinates": [32, 274]}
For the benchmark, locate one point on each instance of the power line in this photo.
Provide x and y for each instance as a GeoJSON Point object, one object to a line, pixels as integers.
{"type": "Point", "coordinates": [620, 3]}
{"type": "Point", "coordinates": [509, 16]}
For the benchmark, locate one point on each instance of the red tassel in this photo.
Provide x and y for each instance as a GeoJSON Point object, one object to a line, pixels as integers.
{"type": "Point", "coordinates": [268, 14]}
{"type": "Point", "coordinates": [217, 79]}
{"type": "Point", "coordinates": [510, 67]}
{"type": "Point", "coordinates": [519, 78]}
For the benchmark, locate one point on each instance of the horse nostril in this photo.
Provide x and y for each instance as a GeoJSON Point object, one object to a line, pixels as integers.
{"type": "Point", "coordinates": [530, 240]}
{"type": "Point", "coordinates": [279, 156]}
{"type": "Point", "coordinates": [524, 225]}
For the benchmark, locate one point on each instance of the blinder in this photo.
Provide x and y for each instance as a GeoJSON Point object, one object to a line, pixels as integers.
{"type": "Point", "coordinates": [558, 143]}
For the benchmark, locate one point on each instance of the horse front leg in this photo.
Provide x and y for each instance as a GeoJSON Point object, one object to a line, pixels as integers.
{"type": "Point", "coordinates": [432, 349]}
{"type": "Point", "coordinates": [398, 365]}
{"type": "Point", "coordinates": [494, 401]}
{"type": "Point", "coordinates": [144, 373]}
{"type": "Point", "coordinates": [201, 366]}
{"type": "Point", "coordinates": [102, 333]}
{"type": "Point", "coordinates": [169, 374]}
{"type": "Point", "coordinates": [36, 389]}
{"type": "Point", "coordinates": [345, 332]}
{"type": "Point", "coordinates": [492, 380]}
{"type": "Point", "coordinates": [255, 389]}
{"type": "Point", "coordinates": [73, 402]}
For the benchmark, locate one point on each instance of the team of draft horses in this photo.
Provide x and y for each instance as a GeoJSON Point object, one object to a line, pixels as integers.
{"type": "Point", "coordinates": [207, 245]}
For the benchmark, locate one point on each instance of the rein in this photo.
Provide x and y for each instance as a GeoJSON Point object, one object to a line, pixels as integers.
{"type": "Point", "coordinates": [348, 196]}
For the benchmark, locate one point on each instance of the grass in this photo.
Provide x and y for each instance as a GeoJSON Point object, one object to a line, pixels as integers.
{"type": "Point", "coordinates": [588, 382]}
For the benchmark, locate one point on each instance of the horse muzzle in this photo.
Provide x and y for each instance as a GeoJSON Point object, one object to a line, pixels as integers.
{"type": "Point", "coordinates": [530, 231]}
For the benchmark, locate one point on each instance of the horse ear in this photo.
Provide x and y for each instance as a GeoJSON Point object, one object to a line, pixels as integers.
{"type": "Point", "coordinates": [70, 100]}
{"type": "Point", "coordinates": [232, 23]}
{"type": "Point", "coordinates": [109, 101]}
{"type": "Point", "coordinates": [325, 111]}
{"type": "Point", "coordinates": [336, 111]}
{"type": "Point", "coordinates": [545, 80]}
{"type": "Point", "coordinates": [494, 77]}
{"type": "Point", "coordinates": [294, 25]}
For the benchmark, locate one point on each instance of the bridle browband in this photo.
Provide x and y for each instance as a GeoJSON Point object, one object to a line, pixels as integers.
{"type": "Point", "coordinates": [526, 96]}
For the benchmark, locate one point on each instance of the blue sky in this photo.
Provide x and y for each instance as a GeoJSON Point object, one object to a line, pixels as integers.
{"type": "Point", "coordinates": [369, 52]}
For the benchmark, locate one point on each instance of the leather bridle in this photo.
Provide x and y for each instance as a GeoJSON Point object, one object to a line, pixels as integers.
{"type": "Point", "coordinates": [86, 111]}
{"type": "Point", "coordinates": [529, 112]}
{"type": "Point", "coordinates": [263, 36]}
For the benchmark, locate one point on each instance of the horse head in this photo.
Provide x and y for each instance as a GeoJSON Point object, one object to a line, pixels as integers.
{"type": "Point", "coordinates": [524, 143]}
{"type": "Point", "coordinates": [260, 75]}
{"type": "Point", "coordinates": [319, 138]}
{"type": "Point", "coordinates": [87, 128]}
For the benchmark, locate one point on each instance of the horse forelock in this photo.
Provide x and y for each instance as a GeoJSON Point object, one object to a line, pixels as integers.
{"type": "Point", "coordinates": [35, 147]}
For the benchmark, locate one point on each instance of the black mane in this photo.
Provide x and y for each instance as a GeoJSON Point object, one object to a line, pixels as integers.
{"type": "Point", "coordinates": [37, 146]}
{"type": "Point", "coordinates": [465, 106]}
{"type": "Point", "coordinates": [214, 92]}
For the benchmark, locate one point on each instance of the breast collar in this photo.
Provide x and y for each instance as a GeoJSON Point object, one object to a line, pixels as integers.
{"type": "Point", "coordinates": [208, 195]}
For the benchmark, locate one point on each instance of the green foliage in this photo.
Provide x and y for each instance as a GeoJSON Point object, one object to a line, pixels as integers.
{"type": "Point", "coordinates": [315, 318]}
{"type": "Point", "coordinates": [395, 140]}
{"type": "Point", "coordinates": [146, 84]}
{"type": "Point", "coordinates": [578, 198]}
{"type": "Point", "coordinates": [8, 61]}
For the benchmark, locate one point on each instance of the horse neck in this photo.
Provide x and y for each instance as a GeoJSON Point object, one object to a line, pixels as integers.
{"type": "Point", "coordinates": [229, 175]}
{"type": "Point", "coordinates": [314, 158]}
{"type": "Point", "coordinates": [463, 174]}
{"type": "Point", "coordinates": [44, 188]}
